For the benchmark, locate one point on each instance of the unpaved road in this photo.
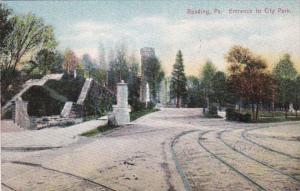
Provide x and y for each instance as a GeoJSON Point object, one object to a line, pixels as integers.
{"type": "Point", "coordinates": [173, 149]}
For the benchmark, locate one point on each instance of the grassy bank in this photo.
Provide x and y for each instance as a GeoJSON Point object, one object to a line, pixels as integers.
{"type": "Point", "coordinates": [98, 130]}
{"type": "Point", "coordinates": [137, 114]}
{"type": "Point", "coordinates": [133, 116]}
{"type": "Point", "coordinates": [276, 119]}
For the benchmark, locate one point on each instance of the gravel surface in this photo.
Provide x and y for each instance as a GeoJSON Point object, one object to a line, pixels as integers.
{"type": "Point", "coordinates": [173, 149]}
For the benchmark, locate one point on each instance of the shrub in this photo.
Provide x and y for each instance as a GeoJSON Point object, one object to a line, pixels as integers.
{"type": "Point", "coordinates": [136, 105]}
{"type": "Point", "coordinates": [7, 114]}
{"type": "Point", "coordinates": [67, 87]}
{"type": "Point", "coordinates": [213, 110]}
{"type": "Point", "coordinates": [233, 115]}
{"type": "Point", "coordinates": [245, 117]}
{"type": "Point", "coordinates": [40, 103]}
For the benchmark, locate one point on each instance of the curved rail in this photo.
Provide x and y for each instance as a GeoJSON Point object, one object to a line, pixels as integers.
{"type": "Point", "coordinates": [9, 187]}
{"type": "Point", "coordinates": [244, 135]}
{"type": "Point", "coordinates": [228, 165]}
{"type": "Point", "coordinates": [250, 157]}
{"type": "Point", "coordinates": [179, 168]}
{"type": "Point", "coordinates": [61, 172]}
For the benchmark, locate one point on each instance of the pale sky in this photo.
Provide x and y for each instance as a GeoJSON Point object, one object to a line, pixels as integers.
{"type": "Point", "coordinates": [167, 27]}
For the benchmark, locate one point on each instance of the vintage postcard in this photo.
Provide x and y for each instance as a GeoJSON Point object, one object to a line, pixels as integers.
{"type": "Point", "coordinates": [148, 95]}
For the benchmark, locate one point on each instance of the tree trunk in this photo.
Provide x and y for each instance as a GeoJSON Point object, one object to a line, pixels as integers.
{"type": "Point", "coordinates": [273, 109]}
{"type": "Point", "coordinates": [253, 110]}
{"type": "Point", "coordinates": [257, 110]}
{"type": "Point", "coordinates": [177, 102]}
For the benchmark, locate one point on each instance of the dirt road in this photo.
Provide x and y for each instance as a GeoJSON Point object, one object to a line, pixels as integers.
{"type": "Point", "coordinates": [173, 149]}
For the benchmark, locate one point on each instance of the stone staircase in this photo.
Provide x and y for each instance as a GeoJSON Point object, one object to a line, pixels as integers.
{"type": "Point", "coordinates": [84, 91]}
{"type": "Point", "coordinates": [67, 109]}
{"type": "Point", "coordinates": [28, 84]}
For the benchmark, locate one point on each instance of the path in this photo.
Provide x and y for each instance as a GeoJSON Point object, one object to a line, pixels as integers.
{"type": "Point", "coordinates": [48, 137]}
{"type": "Point", "coordinates": [173, 149]}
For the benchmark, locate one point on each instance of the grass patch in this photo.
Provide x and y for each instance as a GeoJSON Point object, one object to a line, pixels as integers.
{"type": "Point", "coordinates": [276, 119]}
{"type": "Point", "coordinates": [137, 114]}
{"type": "Point", "coordinates": [97, 131]}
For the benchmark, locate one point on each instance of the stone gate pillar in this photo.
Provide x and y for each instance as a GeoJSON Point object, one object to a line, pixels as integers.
{"type": "Point", "coordinates": [21, 116]}
{"type": "Point", "coordinates": [122, 109]}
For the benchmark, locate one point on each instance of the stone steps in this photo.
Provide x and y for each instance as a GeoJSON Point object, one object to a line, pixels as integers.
{"type": "Point", "coordinates": [84, 91]}
{"type": "Point", "coordinates": [67, 109]}
{"type": "Point", "coordinates": [28, 84]}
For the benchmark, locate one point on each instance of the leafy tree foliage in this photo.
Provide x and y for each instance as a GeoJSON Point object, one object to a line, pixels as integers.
{"type": "Point", "coordinates": [6, 27]}
{"type": "Point", "coordinates": [71, 62]}
{"type": "Point", "coordinates": [285, 68]}
{"type": "Point", "coordinates": [118, 66]}
{"type": "Point", "coordinates": [285, 73]}
{"type": "Point", "coordinates": [88, 64]}
{"type": "Point", "coordinates": [193, 98]}
{"type": "Point", "coordinates": [219, 87]}
{"type": "Point", "coordinates": [296, 98]}
{"type": "Point", "coordinates": [20, 36]}
{"type": "Point", "coordinates": [102, 59]}
{"type": "Point", "coordinates": [249, 78]}
{"type": "Point", "coordinates": [178, 80]}
{"type": "Point", "coordinates": [154, 75]}
{"type": "Point", "coordinates": [207, 75]}
{"type": "Point", "coordinates": [29, 34]}
{"type": "Point", "coordinates": [45, 62]}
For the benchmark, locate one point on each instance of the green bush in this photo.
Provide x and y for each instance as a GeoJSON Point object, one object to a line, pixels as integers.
{"type": "Point", "coordinates": [7, 114]}
{"type": "Point", "coordinates": [213, 110]}
{"type": "Point", "coordinates": [67, 87]}
{"type": "Point", "coordinates": [40, 103]}
{"type": "Point", "coordinates": [233, 115]}
{"type": "Point", "coordinates": [245, 117]}
{"type": "Point", "coordinates": [136, 105]}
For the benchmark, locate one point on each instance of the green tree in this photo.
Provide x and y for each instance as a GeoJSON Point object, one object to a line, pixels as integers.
{"type": "Point", "coordinates": [29, 35]}
{"type": "Point", "coordinates": [154, 75]}
{"type": "Point", "coordinates": [193, 98]}
{"type": "Point", "coordinates": [284, 73]}
{"type": "Point", "coordinates": [118, 66]}
{"type": "Point", "coordinates": [134, 83]}
{"type": "Point", "coordinates": [285, 68]}
{"type": "Point", "coordinates": [6, 28]}
{"type": "Point", "coordinates": [178, 79]}
{"type": "Point", "coordinates": [45, 62]}
{"type": "Point", "coordinates": [70, 61]}
{"type": "Point", "coordinates": [207, 74]}
{"type": "Point", "coordinates": [296, 99]}
{"type": "Point", "coordinates": [88, 64]}
{"type": "Point", "coordinates": [20, 36]}
{"type": "Point", "coordinates": [101, 56]}
{"type": "Point", "coordinates": [249, 79]}
{"type": "Point", "coordinates": [219, 87]}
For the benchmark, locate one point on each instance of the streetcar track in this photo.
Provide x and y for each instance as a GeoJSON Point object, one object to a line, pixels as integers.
{"type": "Point", "coordinates": [227, 164]}
{"type": "Point", "coordinates": [248, 156]}
{"type": "Point", "coordinates": [244, 136]}
{"type": "Point", "coordinates": [61, 172]}
{"type": "Point", "coordinates": [179, 168]}
{"type": "Point", "coordinates": [9, 187]}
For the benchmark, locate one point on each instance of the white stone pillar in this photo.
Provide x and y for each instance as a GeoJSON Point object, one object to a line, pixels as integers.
{"type": "Point", "coordinates": [122, 109]}
{"type": "Point", "coordinates": [21, 115]}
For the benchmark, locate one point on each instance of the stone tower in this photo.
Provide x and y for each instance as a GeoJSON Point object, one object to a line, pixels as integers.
{"type": "Point", "coordinates": [146, 53]}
